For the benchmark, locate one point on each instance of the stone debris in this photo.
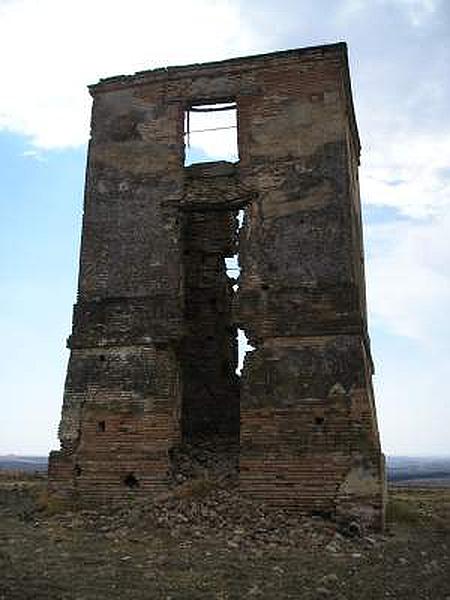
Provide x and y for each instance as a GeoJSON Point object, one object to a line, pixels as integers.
{"type": "Point", "coordinates": [205, 511]}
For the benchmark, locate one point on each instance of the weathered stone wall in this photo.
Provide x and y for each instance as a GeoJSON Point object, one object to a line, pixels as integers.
{"type": "Point", "coordinates": [153, 347]}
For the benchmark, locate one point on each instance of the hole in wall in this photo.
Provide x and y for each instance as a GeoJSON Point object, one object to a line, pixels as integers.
{"type": "Point", "coordinates": [243, 348]}
{"type": "Point", "coordinates": [101, 426]}
{"type": "Point", "coordinates": [322, 514]}
{"type": "Point", "coordinates": [77, 470]}
{"type": "Point", "coordinates": [102, 357]}
{"type": "Point", "coordinates": [233, 270]}
{"type": "Point", "coordinates": [319, 421]}
{"type": "Point", "coordinates": [131, 481]}
{"type": "Point", "coordinates": [210, 133]}
{"type": "Point", "coordinates": [232, 266]}
{"type": "Point", "coordinates": [240, 219]}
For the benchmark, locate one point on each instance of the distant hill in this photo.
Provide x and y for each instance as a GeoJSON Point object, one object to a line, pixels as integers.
{"type": "Point", "coordinates": [407, 469]}
{"type": "Point", "coordinates": [23, 463]}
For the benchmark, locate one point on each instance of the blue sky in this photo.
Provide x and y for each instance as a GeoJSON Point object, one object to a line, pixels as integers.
{"type": "Point", "coordinates": [399, 55]}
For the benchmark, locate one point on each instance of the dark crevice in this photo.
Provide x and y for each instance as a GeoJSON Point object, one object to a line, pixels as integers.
{"type": "Point", "coordinates": [131, 481]}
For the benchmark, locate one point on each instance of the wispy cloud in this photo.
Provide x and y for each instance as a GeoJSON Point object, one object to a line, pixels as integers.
{"type": "Point", "coordinates": [56, 48]}
{"type": "Point", "coordinates": [418, 10]}
{"type": "Point", "coordinates": [409, 172]}
{"type": "Point", "coordinates": [35, 155]}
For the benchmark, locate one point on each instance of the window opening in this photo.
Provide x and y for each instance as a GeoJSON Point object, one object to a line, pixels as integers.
{"type": "Point", "coordinates": [210, 133]}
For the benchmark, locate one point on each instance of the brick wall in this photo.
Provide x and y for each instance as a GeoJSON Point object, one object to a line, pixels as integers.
{"type": "Point", "coordinates": [153, 347]}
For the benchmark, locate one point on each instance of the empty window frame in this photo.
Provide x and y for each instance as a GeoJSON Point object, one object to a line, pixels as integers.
{"type": "Point", "coordinates": [210, 133]}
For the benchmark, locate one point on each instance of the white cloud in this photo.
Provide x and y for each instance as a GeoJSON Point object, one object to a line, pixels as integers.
{"type": "Point", "coordinates": [408, 278]}
{"type": "Point", "coordinates": [409, 172]}
{"type": "Point", "coordinates": [418, 11]}
{"type": "Point", "coordinates": [54, 48]}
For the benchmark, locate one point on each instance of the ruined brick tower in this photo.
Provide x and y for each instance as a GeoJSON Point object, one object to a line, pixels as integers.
{"type": "Point", "coordinates": [153, 347]}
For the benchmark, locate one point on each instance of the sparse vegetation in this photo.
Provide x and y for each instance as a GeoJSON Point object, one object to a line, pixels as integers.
{"type": "Point", "coordinates": [50, 504]}
{"type": "Point", "coordinates": [20, 475]}
{"type": "Point", "coordinates": [402, 512]}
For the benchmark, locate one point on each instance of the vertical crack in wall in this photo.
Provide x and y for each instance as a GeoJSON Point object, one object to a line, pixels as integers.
{"type": "Point", "coordinates": [233, 272]}
{"type": "Point", "coordinates": [243, 348]}
{"type": "Point", "coordinates": [232, 265]}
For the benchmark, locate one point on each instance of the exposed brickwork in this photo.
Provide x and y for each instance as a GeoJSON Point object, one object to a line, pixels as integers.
{"type": "Point", "coordinates": [153, 346]}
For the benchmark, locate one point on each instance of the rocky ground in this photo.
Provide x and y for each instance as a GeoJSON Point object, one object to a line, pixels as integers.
{"type": "Point", "coordinates": [203, 540]}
